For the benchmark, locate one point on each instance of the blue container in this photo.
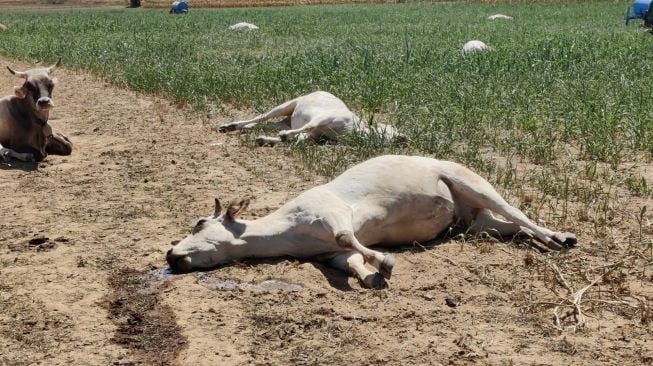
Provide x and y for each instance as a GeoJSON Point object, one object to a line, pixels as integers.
{"type": "Point", "coordinates": [640, 8]}
{"type": "Point", "coordinates": [179, 7]}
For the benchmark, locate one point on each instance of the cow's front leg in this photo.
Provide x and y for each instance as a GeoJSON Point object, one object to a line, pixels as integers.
{"type": "Point", "coordinates": [288, 135]}
{"type": "Point", "coordinates": [383, 262]}
{"type": "Point", "coordinates": [59, 144]}
{"type": "Point", "coordinates": [7, 154]}
{"type": "Point", "coordinates": [336, 217]}
{"type": "Point", "coordinates": [354, 264]}
{"type": "Point", "coordinates": [234, 126]}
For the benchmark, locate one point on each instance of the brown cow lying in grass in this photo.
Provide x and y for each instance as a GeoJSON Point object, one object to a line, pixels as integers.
{"type": "Point", "coordinates": [389, 200]}
{"type": "Point", "coordinates": [317, 116]}
{"type": "Point", "coordinates": [25, 133]}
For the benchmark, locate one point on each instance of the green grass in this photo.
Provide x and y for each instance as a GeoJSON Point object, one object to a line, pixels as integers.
{"type": "Point", "coordinates": [564, 80]}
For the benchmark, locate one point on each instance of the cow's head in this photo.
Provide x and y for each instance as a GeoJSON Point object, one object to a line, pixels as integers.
{"type": "Point", "coordinates": [37, 87]}
{"type": "Point", "coordinates": [212, 240]}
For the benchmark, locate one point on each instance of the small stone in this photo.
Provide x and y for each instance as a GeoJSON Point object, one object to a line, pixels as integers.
{"type": "Point", "coordinates": [452, 301]}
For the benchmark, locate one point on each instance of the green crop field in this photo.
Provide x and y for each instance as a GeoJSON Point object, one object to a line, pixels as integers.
{"type": "Point", "coordinates": [564, 82]}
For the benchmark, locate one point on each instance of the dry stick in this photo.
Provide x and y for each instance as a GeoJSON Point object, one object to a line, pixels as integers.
{"type": "Point", "coordinates": [575, 298]}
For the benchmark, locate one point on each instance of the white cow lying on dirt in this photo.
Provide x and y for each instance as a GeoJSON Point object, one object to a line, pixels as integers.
{"type": "Point", "coordinates": [389, 200]}
{"type": "Point", "coordinates": [316, 115]}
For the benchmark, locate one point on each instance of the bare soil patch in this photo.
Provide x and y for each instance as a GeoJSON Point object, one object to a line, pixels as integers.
{"type": "Point", "coordinates": [143, 170]}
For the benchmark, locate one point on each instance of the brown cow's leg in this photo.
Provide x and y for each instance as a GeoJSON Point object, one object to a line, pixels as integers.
{"type": "Point", "coordinates": [6, 154]}
{"type": "Point", "coordinates": [59, 144]}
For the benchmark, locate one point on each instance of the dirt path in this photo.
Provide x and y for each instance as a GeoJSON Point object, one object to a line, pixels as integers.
{"type": "Point", "coordinates": [143, 171]}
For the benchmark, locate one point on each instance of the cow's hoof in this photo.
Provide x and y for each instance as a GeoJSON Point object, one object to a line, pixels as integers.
{"type": "Point", "coordinates": [386, 266]}
{"type": "Point", "coordinates": [284, 137]}
{"type": "Point", "coordinates": [226, 128]}
{"type": "Point", "coordinates": [567, 240]}
{"type": "Point", "coordinates": [375, 281]}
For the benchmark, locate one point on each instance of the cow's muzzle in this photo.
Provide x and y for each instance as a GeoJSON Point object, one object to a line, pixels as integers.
{"type": "Point", "coordinates": [178, 263]}
{"type": "Point", "coordinates": [44, 103]}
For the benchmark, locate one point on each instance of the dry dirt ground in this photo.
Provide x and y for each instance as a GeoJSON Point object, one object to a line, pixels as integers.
{"type": "Point", "coordinates": [82, 243]}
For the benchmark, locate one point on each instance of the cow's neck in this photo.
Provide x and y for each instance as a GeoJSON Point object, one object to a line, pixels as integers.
{"type": "Point", "coordinates": [29, 114]}
{"type": "Point", "coordinates": [269, 236]}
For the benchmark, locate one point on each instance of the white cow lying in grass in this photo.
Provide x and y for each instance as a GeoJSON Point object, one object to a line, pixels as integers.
{"type": "Point", "coordinates": [389, 200]}
{"type": "Point", "coordinates": [243, 26]}
{"type": "Point", "coordinates": [475, 46]}
{"type": "Point", "coordinates": [499, 17]}
{"type": "Point", "coordinates": [317, 115]}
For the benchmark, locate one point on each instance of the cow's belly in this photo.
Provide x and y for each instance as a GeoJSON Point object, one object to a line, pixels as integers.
{"type": "Point", "coordinates": [420, 220]}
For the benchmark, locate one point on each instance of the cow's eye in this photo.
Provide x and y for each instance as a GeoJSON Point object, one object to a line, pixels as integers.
{"type": "Point", "coordinates": [30, 87]}
{"type": "Point", "coordinates": [199, 226]}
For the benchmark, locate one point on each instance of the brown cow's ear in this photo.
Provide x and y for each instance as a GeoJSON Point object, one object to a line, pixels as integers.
{"type": "Point", "coordinates": [20, 92]}
{"type": "Point", "coordinates": [236, 209]}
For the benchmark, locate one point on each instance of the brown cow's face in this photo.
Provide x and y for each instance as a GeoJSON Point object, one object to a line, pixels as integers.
{"type": "Point", "coordinates": [37, 88]}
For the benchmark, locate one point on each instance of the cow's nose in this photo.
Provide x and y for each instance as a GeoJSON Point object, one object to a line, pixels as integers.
{"type": "Point", "coordinates": [42, 102]}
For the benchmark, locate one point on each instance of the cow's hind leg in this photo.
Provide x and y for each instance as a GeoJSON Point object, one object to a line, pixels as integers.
{"type": "Point", "coordinates": [484, 221]}
{"type": "Point", "coordinates": [284, 109]}
{"type": "Point", "coordinates": [354, 264]}
{"type": "Point", "coordinates": [471, 190]}
{"type": "Point", "coordinates": [59, 144]}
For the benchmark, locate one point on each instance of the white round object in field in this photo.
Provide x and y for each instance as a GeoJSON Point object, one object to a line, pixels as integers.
{"type": "Point", "coordinates": [3, 27]}
{"type": "Point", "coordinates": [475, 46]}
{"type": "Point", "coordinates": [243, 26]}
{"type": "Point", "coordinates": [499, 17]}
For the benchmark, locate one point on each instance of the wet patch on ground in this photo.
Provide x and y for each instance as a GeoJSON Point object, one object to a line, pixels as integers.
{"type": "Point", "coordinates": [212, 282]}
{"type": "Point", "coordinates": [145, 326]}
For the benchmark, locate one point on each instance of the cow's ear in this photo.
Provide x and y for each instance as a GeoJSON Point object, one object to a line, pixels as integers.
{"type": "Point", "coordinates": [218, 208]}
{"type": "Point", "coordinates": [236, 208]}
{"type": "Point", "coordinates": [20, 92]}
{"type": "Point", "coordinates": [54, 81]}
